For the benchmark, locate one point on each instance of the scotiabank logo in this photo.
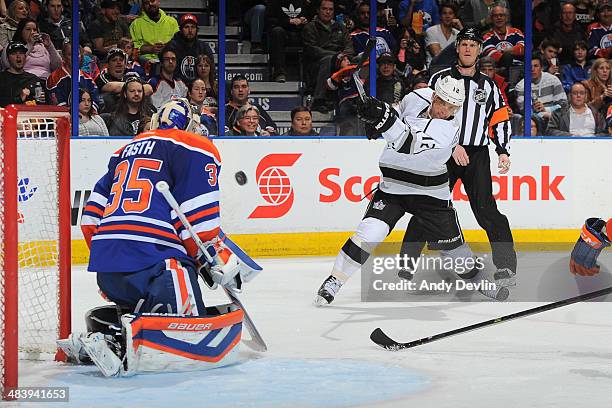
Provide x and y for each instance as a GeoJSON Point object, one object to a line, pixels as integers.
{"type": "Point", "coordinates": [542, 187]}
{"type": "Point", "coordinates": [274, 185]}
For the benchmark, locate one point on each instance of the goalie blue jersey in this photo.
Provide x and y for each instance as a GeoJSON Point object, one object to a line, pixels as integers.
{"type": "Point", "coordinates": [128, 224]}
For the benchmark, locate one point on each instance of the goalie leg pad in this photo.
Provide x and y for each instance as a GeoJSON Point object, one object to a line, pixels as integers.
{"type": "Point", "coordinates": [170, 343]}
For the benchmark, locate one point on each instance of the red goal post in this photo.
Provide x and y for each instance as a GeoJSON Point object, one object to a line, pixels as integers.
{"type": "Point", "coordinates": [35, 234]}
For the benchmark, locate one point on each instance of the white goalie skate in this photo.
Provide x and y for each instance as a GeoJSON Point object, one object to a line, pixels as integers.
{"type": "Point", "coordinates": [97, 348]}
{"type": "Point", "coordinates": [73, 348]}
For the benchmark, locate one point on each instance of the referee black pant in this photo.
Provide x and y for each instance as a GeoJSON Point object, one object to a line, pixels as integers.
{"type": "Point", "coordinates": [476, 178]}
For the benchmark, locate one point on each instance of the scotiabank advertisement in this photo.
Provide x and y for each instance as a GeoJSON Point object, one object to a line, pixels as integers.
{"type": "Point", "coordinates": [310, 185]}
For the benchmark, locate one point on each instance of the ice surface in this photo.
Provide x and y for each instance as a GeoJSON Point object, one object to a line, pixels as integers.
{"type": "Point", "coordinates": [322, 357]}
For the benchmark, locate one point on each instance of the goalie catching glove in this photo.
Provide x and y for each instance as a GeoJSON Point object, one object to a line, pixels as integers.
{"type": "Point", "coordinates": [593, 239]}
{"type": "Point", "coordinates": [376, 113]}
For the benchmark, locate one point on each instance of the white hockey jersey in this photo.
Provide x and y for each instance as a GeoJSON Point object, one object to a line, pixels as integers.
{"type": "Point", "coordinates": [418, 147]}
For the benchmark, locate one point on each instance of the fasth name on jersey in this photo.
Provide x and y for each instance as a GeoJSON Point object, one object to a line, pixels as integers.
{"type": "Point", "coordinates": [138, 148]}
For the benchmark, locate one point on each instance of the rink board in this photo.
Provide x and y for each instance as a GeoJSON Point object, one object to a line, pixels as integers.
{"type": "Point", "coordinates": [305, 196]}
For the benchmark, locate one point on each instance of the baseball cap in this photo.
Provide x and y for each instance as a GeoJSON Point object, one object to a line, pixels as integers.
{"type": "Point", "coordinates": [386, 57]}
{"type": "Point", "coordinates": [110, 4]}
{"type": "Point", "coordinates": [188, 18]}
{"type": "Point", "coordinates": [114, 52]}
{"type": "Point", "coordinates": [16, 46]}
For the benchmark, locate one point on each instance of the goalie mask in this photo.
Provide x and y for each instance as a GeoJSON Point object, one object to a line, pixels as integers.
{"type": "Point", "coordinates": [450, 90]}
{"type": "Point", "coordinates": [177, 114]}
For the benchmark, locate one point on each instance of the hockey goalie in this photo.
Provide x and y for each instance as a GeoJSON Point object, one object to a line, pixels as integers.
{"type": "Point", "coordinates": [147, 261]}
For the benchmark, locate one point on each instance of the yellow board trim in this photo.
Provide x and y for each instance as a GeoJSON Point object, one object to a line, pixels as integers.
{"type": "Point", "coordinates": [329, 243]}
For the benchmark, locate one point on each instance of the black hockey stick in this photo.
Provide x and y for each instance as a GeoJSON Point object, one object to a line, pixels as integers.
{"type": "Point", "coordinates": [380, 338]}
{"type": "Point", "coordinates": [258, 343]}
{"type": "Point", "coordinates": [364, 57]}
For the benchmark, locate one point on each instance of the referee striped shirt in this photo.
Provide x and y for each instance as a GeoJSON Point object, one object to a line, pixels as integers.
{"type": "Point", "coordinates": [484, 117]}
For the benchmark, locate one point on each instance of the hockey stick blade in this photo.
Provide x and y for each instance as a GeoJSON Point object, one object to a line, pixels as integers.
{"type": "Point", "coordinates": [257, 343]}
{"type": "Point", "coordinates": [384, 341]}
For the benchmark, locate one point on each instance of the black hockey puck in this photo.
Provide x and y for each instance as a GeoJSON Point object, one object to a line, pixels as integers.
{"type": "Point", "coordinates": [241, 178]}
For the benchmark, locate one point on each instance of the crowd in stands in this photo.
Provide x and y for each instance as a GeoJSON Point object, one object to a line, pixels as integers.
{"type": "Point", "coordinates": [134, 56]}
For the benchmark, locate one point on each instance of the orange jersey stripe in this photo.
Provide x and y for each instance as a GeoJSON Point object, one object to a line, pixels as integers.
{"type": "Point", "coordinates": [500, 115]}
{"type": "Point", "coordinates": [190, 245]}
{"type": "Point", "coordinates": [180, 275]}
{"type": "Point", "coordinates": [181, 136]}
{"type": "Point", "coordinates": [138, 228]}
{"type": "Point", "coordinates": [197, 215]}
{"type": "Point", "coordinates": [94, 209]}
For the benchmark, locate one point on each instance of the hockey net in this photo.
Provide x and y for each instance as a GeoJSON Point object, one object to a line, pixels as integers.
{"type": "Point", "coordinates": [35, 235]}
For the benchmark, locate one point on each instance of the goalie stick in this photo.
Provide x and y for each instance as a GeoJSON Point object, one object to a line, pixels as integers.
{"type": "Point", "coordinates": [364, 57]}
{"type": "Point", "coordinates": [258, 343]}
{"type": "Point", "coordinates": [380, 338]}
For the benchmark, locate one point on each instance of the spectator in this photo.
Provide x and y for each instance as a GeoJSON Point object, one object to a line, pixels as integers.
{"type": "Point", "coordinates": [59, 83]}
{"type": "Point", "coordinates": [188, 47]}
{"type": "Point", "coordinates": [599, 85]}
{"type": "Point", "coordinates": [301, 123]}
{"type": "Point", "coordinates": [342, 83]}
{"type": "Point", "coordinates": [196, 93]}
{"type": "Point", "coordinates": [166, 86]}
{"type": "Point", "coordinates": [547, 93]}
{"type": "Point", "coordinates": [205, 69]}
{"type": "Point", "coordinates": [17, 11]}
{"type": "Point", "coordinates": [152, 30]}
{"type": "Point", "coordinates": [577, 120]}
{"type": "Point", "coordinates": [411, 54]}
{"type": "Point", "coordinates": [106, 31]}
{"type": "Point", "coordinates": [17, 85]}
{"type": "Point", "coordinates": [58, 26]}
{"type": "Point", "coordinates": [246, 122]}
{"type": "Point", "coordinates": [550, 50]}
{"type": "Point", "coordinates": [239, 96]}
{"type": "Point", "coordinates": [254, 12]}
{"type": "Point", "coordinates": [285, 21]}
{"type": "Point", "coordinates": [130, 116]}
{"type": "Point", "coordinates": [420, 80]}
{"type": "Point", "coordinates": [90, 123]}
{"type": "Point", "coordinates": [390, 86]}
{"type": "Point", "coordinates": [385, 42]}
{"type": "Point", "coordinates": [441, 35]}
{"type": "Point", "coordinates": [487, 67]}
{"type": "Point", "coordinates": [567, 32]}
{"type": "Point", "coordinates": [419, 14]}
{"type": "Point", "coordinates": [609, 120]}
{"type": "Point", "coordinates": [503, 43]}
{"type": "Point", "coordinates": [545, 16]}
{"type": "Point", "coordinates": [127, 45]}
{"type": "Point", "coordinates": [579, 69]}
{"type": "Point", "coordinates": [385, 17]}
{"type": "Point", "coordinates": [537, 126]}
{"type": "Point", "coordinates": [43, 58]}
{"type": "Point", "coordinates": [585, 12]}
{"type": "Point", "coordinates": [476, 13]}
{"type": "Point", "coordinates": [112, 79]}
{"type": "Point", "coordinates": [600, 32]}
{"type": "Point", "coordinates": [323, 38]}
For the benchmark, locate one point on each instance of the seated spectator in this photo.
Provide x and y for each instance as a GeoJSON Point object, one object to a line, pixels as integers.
{"type": "Point", "coordinates": [476, 13]}
{"type": "Point", "coordinates": [90, 123]}
{"type": "Point", "coordinates": [567, 32]}
{"type": "Point", "coordinates": [599, 85]}
{"type": "Point", "coordinates": [444, 34]}
{"type": "Point", "coordinates": [386, 17]}
{"type": "Point", "coordinates": [43, 58]}
{"type": "Point", "coordinates": [342, 83]}
{"type": "Point", "coordinates": [166, 86]}
{"type": "Point", "coordinates": [577, 120]}
{"type": "Point", "coordinates": [112, 79]}
{"type": "Point", "coordinates": [239, 96]}
{"type": "Point", "coordinates": [106, 31]}
{"type": "Point", "coordinates": [549, 50]}
{"type": "Point", "coordinates": [487, 67]}
{"type": "Point", "coordinates": [246, 122]}
{"type": "Point", "coordinates": [411, 54]}
{"type": "Point", "coordinates": [390, 86]}
{"type": "Point", "coordinates": [16, 85]}
{"type": "Point", "coordinates": [205, 69]}
{"type": "Point", "coordinates": [59, 83]}
{"type": "Point", "coordinates": [579, 69]}
{"type": "Point", "coordinates": [419, 14]}
{"type": "Point", "coordinates": [285, 21]}
{"type": "Point", "coordinates": [385, 42]}
{"type": "Point", "coordinates": [196, 93]}
{"type": "Point", "coordinates": [254, 12]}
{"type": "Point", "coordinates": [585, 12]}
{"type": "Point", "coordinates": [323, 37]}
{"type": "Point", "coordinates": [127, 45]}
{"type": "Point", "coordinates": [301, 123]}
{"type": "Point", "coordinates": [545, 15]}
{"type": "Point", "coordinates": [547, 93]}
{"type": "Point", "coordinates": [188, 47]}
{"type": "Point", "coordinates": [537, 126]}
{"type": "Point", "coordinates": [17, 11]}
{"type": "Point", "coordinates": [419, 81]}
{"type": "Point", "coordinates": [503, 43]}
{"type": "Point", "coordinates": [152, 30]}
{"type": "Point", "coordinates": [131, 115]}
{"type": "Point", "coordinates": [600, 32]}
{"type": "Point", "coordinates": [58, 26]}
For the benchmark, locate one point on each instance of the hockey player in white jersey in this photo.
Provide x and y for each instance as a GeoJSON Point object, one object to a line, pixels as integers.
{"type": "Point", "coordinates": [414, 180]}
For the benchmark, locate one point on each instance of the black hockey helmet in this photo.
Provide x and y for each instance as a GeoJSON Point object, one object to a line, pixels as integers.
{"type": "Point", "coordinates": [468, 33]}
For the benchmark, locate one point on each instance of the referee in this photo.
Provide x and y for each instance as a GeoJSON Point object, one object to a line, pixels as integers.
{"type": "Point", "coordinates": [484, 117]}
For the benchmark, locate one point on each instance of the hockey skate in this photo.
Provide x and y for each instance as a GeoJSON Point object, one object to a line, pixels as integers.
{"type": "Point", "coordinates": [328, 291]}
{"type": "Point", "coordinates": [73, 349]}
{"type": "Point", "coordinates": [499, 293]}
{"type": "Point", "coordinates": [505, 277]}
{"type": "Point", "coordinates": [97, 348]}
